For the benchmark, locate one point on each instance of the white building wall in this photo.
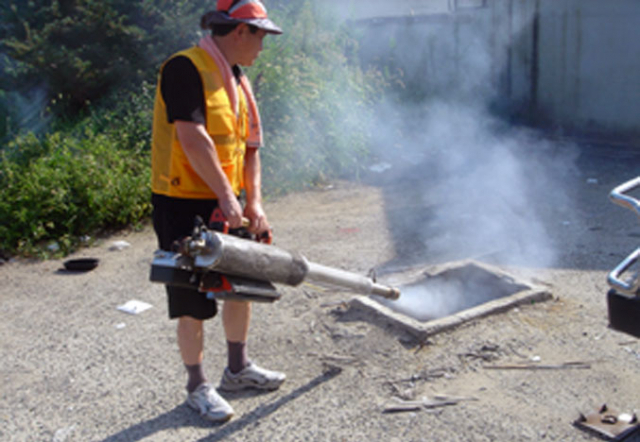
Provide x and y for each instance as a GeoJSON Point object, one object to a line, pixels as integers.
{"type": "Point", "coordinates": [520, 53]}
{"type": "Point", "coordinates": [589, 64]}
{"type": "Point", "coordinates": [576, 67]}
{"type": "Point", "coordinates": [372, 9]}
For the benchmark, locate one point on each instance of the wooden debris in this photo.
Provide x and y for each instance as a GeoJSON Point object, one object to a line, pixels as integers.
{"type": "Point", "coordinates": [422, 344]}
{"type": "Point", "coordinates": [402, 406]}
{"type": "Point", "coordinates": [534, 366]}
{"type": "Point", "coordinates": [314, 287]}
{"type": "Point", "coordinates": [337, 359]}
{"type": "Point", "coordinates": [343, 304]}
{"type": "Point", "coordinates": [426, 403]}
{"type": "Point", "coordinates": [629, 342]}
{"type": "Point", "coordinates": [425, 375]}
{"type": "Point", "coordinates": [309, 294]}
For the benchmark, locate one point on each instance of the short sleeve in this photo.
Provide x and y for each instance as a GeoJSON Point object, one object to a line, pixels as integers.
{"type": "Point", "coordinates": [181, 89]}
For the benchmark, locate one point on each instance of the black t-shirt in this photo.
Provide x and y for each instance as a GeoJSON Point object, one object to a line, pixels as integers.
{"type": "Point", "coordinates": [181, 89]}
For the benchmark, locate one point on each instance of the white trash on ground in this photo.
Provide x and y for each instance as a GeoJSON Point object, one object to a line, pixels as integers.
{"type": "Point", "coordinates": [134, 307]}
{"type": "Point", "coordinates": [119, 245]}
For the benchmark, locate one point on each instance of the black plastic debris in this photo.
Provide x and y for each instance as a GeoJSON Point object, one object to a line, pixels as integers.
{"type": "Point", "coordinates": [81, 265]}
{"type": "Point", "coordinates": [624, 312]}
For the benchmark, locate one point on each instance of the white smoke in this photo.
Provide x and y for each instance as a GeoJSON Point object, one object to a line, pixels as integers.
{"type": "Point", "coordinates": [474, 185]}
{"type": "Point", "coordinates": [424, 302]}
{"type": "Point", "coordinates": [494, 187]}
{"type": "Point", "coordinates": [481, 186]}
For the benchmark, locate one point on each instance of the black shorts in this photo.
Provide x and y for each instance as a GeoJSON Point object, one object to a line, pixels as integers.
{"type": "Point", "coordinates": [173, 219]}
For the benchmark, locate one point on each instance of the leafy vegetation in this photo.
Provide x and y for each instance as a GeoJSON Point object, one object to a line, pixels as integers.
{"type": "Point", "coordinates": [62, 186]}
{"type": "Point", "coordinates": [315, 101]}
{"type": "Point", "coordinates": [80, 50]}
{"type": "Point", "coordinates": [76, 103]}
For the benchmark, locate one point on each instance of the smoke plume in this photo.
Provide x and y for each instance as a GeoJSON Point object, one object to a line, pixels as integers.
{"type": "Point", "coordinates": [464, 182]}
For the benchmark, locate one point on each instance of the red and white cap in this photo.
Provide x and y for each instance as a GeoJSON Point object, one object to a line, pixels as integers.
{"type": "Point", "coordinates": [252, 12]}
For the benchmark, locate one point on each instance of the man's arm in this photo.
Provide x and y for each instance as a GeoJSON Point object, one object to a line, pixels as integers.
{"type": "Point", "coordinates": [202, 155]}
{"type": "Point", "coordinates": [253, 189]}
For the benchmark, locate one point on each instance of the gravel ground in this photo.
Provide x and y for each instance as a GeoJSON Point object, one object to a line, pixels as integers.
{"type": "Point", "coordinates": [74, 368]}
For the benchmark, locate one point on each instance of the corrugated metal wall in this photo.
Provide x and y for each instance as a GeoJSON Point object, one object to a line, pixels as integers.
{"type": "Point", "coordinates": [589, 64]}
{"type": "Point", "coordinates": [566, 64]}
{"type": "Point", "coordinates": [442, 55]}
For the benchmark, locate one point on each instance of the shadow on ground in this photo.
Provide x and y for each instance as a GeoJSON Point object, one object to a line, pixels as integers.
{"type": "Point", "coordinates": [182, 416]}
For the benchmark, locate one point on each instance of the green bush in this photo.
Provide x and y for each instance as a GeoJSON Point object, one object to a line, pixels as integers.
{"type": "Point", "coordinates": [64, 186]}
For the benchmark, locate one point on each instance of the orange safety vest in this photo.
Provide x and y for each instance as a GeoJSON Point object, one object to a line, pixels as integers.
{"type": "Point", "coordinates": [172, 174]}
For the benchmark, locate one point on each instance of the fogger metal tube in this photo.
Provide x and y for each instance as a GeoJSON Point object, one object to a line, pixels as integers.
{"type": "Point", "coordinates": [336, 278]}
{"type": "Point", "coordinates": [235, 256]}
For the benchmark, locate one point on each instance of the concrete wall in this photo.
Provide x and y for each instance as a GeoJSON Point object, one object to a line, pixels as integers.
{"type": "Point", "coordinates": [439, 52]}
{"type": "Point", "coordinates": [372, 9]}
{"type": "Point", "coordinates": [589, 65]}
{"type": "Point", "coordinates": [571, 64]}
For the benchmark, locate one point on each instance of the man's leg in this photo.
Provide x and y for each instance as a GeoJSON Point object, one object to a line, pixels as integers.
{"type": "Point", "coordinates": [236, 316]}
{"type": "Point", "coordinates": [173, 219]}
{"type": "Point", "coordinates": [191, 344]}
{"type": "Point", "coordinates": [190, 340]}
{"type": "Point", "coordinates": [202, 396]}
{"type": "Point", "coordinates": [240, 373]}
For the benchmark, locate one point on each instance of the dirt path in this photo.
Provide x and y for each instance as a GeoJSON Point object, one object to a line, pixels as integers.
{"type": "Point", "coordinates": [74, 368]}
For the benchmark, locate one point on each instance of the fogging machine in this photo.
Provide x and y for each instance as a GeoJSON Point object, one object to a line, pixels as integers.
{"type": "Point", "coordinates": [230, 267]}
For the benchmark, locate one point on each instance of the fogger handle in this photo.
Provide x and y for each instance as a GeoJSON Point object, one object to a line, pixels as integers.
{"type": "Point", "coordinates": [219, 223]}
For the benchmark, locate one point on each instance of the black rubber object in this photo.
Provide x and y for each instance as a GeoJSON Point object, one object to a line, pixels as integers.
{"type": "Point", "coordinates": [81, 265]}
{"type": "Point", "coordinates": [624, 312]}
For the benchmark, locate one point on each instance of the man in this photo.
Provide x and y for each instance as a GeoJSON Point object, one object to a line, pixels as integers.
{"type": "Point", "coordinates": [206, 139]}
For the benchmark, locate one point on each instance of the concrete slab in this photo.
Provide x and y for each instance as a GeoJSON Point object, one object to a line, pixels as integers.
{"type": "Point", "coordinates": [513, 292]}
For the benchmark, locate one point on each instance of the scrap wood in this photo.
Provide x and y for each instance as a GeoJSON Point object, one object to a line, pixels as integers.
{"type": "Point", "coordinates": [449, 400]}
{"type": "Point", "coordinates": [400, 406]}
{"type": "Point", "coordinates": [629, 342]}
{"type": "Point", "coordinates": [333, 358]}
{"type": "Point", "coordinates": [343, 304]}
{"type": "Point", "coordinates": [315, 287]}
{"type": "Point", "coordinates": [309, 294]}
{"type": "Point", "coordinates": [535, 366]}
{"type": "Point", "coordinates": [422, 344]}
{"type": "Point", "coordinates": [426, 403]}
{"type": "Point", "coordinates": [339, 359]}
{"type": "Point", "coordinates": [425, 375]}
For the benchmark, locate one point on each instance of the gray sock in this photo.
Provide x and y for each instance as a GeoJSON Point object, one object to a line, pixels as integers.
{"type": "Point", "coordinates": [237, 356]}
{"type": "Point", "coordinates": [196, 377]}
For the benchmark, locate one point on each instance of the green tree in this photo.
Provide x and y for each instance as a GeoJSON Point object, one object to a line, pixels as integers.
{"type": "Point", "coordinates": [81, 50]}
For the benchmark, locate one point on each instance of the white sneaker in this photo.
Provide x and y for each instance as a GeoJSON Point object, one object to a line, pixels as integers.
{"type": "Point", "coordinates": [211, 406]}
{"type": "Point", "coordinates": [251, 376]}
